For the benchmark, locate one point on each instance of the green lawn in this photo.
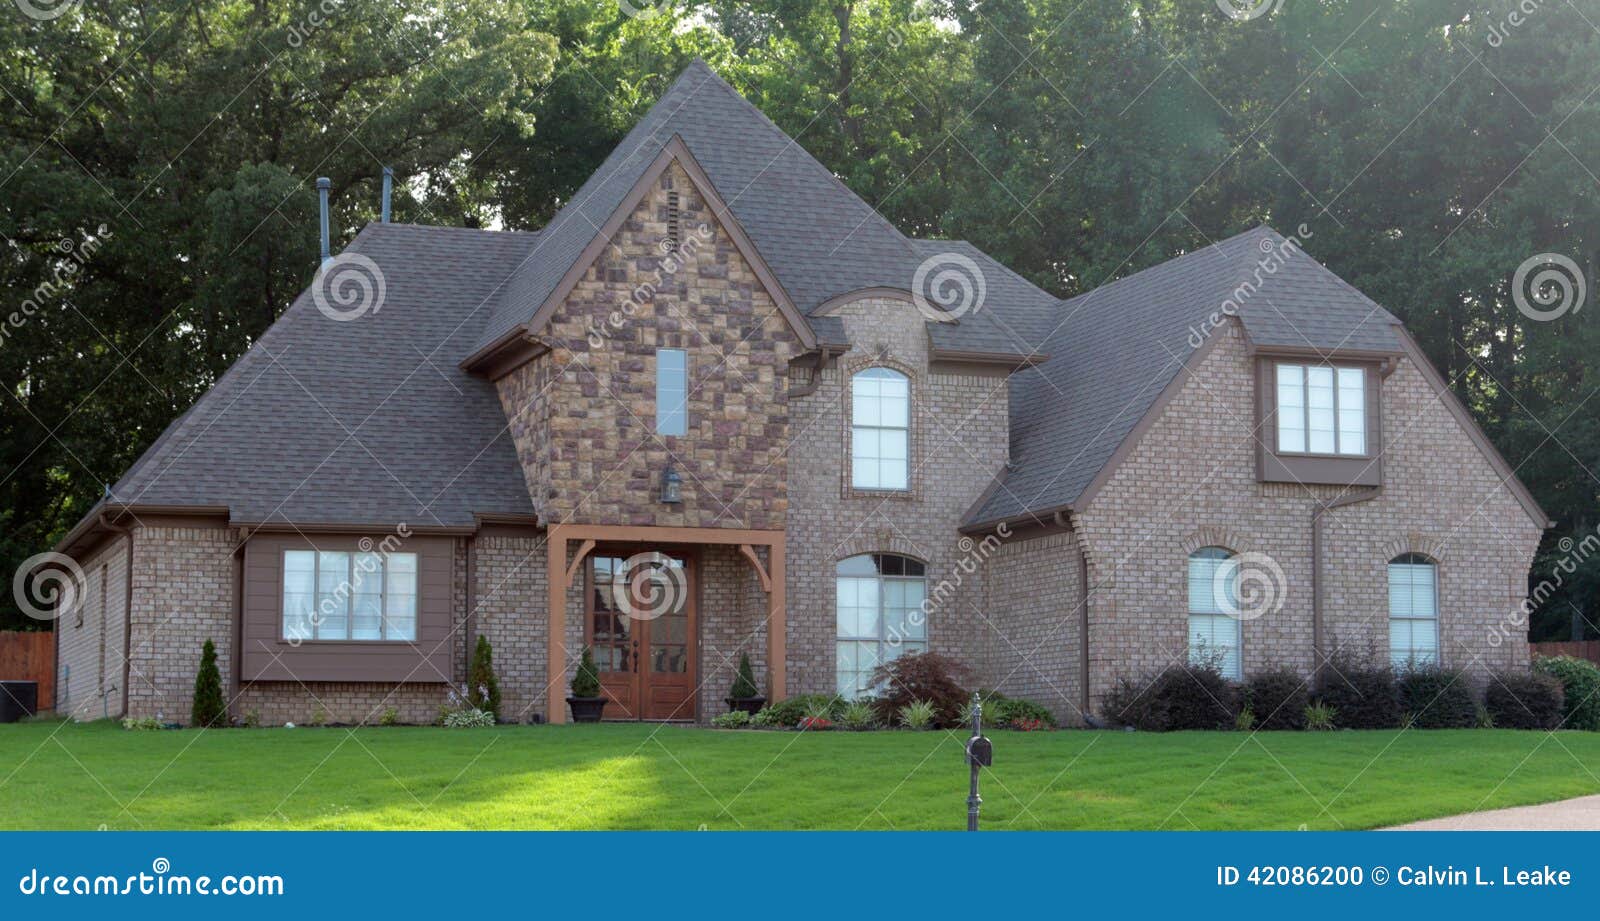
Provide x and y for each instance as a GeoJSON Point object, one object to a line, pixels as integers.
{"type": "Point", "coordinates": [57, 776]}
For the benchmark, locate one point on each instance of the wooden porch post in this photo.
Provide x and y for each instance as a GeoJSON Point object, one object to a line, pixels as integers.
{"type": "Point", "coordinates": [777, 621]}
{"type": "Point", "coordinates": [556, 645]}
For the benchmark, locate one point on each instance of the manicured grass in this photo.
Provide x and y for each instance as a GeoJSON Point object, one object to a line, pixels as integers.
{"type": "Point", "coordinates": [56, 776]}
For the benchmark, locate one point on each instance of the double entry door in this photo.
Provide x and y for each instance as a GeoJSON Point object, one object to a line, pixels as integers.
{"type": "Point", "coordinates": [639, 620]}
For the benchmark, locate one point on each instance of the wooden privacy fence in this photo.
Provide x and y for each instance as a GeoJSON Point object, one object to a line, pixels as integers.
{"type": "Point", "coordinates": [1581, 649]}
{"type": "Point", "coordinates": [30, 657]}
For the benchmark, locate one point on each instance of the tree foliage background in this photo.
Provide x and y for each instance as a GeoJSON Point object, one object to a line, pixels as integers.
{"type": "Point", "coordinates": [1430, 146]}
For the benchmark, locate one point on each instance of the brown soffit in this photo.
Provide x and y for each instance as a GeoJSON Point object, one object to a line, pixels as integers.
{"type": "Point", "coordinates": [94, 526]}
{"type": "Point", "coordinates": [1306, 351]}
{"type": "Point", "coordinates": [1013, 360]}
{"type": "Point", "coordinates": [1508, 474]}
{"type": "Point", "coordinates": [352, 527]}
{"type": "Point", "coordinates": [674, 150]}
{"type": "Point", "coordinates": [508, 354]}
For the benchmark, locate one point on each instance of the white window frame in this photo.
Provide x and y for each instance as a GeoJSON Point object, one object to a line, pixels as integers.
{"type": "Point", "coordinates": [672, 418]}
{"type": "Point", "coordinates": [869, 408]}
{"type": "Point", "coordinates": [1209, 616]}
{"type": "Point", "coordinates": [888, 641]}
{"type": "Point", "coordinates": [1350, 431]}
{"type": "Point", "coordinates": [1403, 577]}
{"type": "Point", "coordinates": [361, 569]}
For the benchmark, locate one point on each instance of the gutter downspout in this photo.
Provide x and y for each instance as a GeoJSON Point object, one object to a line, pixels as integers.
{"type": "Point", "coordinates": [470, 619]}
{"type": "Point", "coordinates": [237, 683]}
{"type": "Point", "coordinates": [127, 608]}
{"type": "Point", "coordinates": [810, 386]}
{"type": "Point", "coordinates": [1318, 510]}
{"type": "Point", "coordinates": [1064, 521]}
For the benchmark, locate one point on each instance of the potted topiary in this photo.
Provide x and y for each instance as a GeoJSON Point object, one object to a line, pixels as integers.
{"type": "Point", "coordinates": [745, 695]}
{"type": "Point", "coordinates": [586, 701]}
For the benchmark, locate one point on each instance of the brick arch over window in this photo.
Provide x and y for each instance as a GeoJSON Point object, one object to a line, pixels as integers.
{"type": "Point", "coordinates": [879, 543]}
{"type": "Point", "coordinates": [1213, 536]}
{"type": "Point", "coordinates": [880, 357]}
{"type": "Point", "coordinates": [1421, 544]}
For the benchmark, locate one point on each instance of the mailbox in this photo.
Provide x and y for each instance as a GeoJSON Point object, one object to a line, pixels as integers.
{"type": "Point", "coordinates": [980, 752]}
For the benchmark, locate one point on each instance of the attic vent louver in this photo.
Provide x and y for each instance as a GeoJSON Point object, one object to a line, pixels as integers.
{"type": "Point", "coordinates": [672, 222]}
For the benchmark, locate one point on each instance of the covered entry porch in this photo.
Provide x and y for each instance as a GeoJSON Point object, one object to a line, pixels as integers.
{"type": "Point", "coordinates": [655, 607]}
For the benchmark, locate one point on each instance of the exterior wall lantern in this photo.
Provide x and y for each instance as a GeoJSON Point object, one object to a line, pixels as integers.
{"type": "Point", "coordinates": [671, 486]}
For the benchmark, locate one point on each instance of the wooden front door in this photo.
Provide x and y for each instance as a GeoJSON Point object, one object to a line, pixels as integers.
{"type": "Point", "coordinates": [640, 621]}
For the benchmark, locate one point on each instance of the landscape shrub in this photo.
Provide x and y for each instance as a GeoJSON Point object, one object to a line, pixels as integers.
{"type": "Point", "coordinates": [1009, 710]}
{"type": "Point", "coordinates": [744, 683]}
{"type": "Point", "coordinates": [1180, 697]}
{"type": "Point", "coordinates": [483, 691]}
{"type": "Point", "coordinates": [917, 715]}
{"type": "Point", "coordinates": [925, 676]}
{"type": "Point", "coordinates": [390, 717]}
{"type": "Point", "coordinates": [209, 708]}
{"type": "Point", "coordinates": [814, 723]}
{"type": "Point", "coordinates": [858, 715]}
{"type": "Point", "coordinates": [1362, 692]}
{"type": "Point", "coordinates": [468, 718]}
{"type": "Point", "coordinates": [1320, 717]}
{"type": "Point", "coordinates": [1278, 698]}
{"type": "Point", "coordinates": [765, 718]}
{"type": "Point", "coordinates": [788, 713]}
{"type": "Point", "coordinates": [1524, 700]}
{"type": "Point", "coordinates": [734, 719]}
{"type": "Point", "coordinates": [1580, 682]}
{"type": "Point", "coordinates": [586, 682]}
{"type": "Point", "coordinates": [1435, 697]}
{"type": "Point", "coordinates": [142, 724]}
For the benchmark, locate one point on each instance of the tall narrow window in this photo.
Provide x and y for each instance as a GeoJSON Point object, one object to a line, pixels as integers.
{"type": "Point", "coordinates": [349, 596]}
{"type": "Point", "coordinates": [1322, 410]}
{"type": "Point", "coordinates": [672, 391]}
{"type": "Point", "coordinates": [1213, 592]}
{"type": "Point", "coordinates": [1413, 610]}
{"type": "Point", "coordinates": [879, 614]}
{"type": "Point", "coordinates": [880, 434]}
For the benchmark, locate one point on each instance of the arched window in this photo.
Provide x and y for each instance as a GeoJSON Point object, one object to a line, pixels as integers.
{"type": "Point", "coordinates": [1413, 610]}
{"type": "Point", "coordinates": [1213, 606]}
{"type": "Point", "coordinates": [880, 433]}
{"type": "Point", "coordinates": [879, 616]}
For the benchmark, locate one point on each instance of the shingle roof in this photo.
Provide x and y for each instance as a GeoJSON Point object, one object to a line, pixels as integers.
{"type": "Point", "coordinates": [819, 238]}
{"type": "Point", "coordinates": [362, 421]}
{"type": "Point", "coordinates": [1114, 349]}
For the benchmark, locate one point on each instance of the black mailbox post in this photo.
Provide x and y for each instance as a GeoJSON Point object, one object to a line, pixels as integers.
{"type": "Point", "coordinates": [980, 754]}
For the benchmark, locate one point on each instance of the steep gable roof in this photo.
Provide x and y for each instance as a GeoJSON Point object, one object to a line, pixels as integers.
{"type": "Point", "coordinates": [819, 239]}
{"type": "Point", "coordinates": [1116, 348]}
{"type": "Point", "coordinates": [365, 421]}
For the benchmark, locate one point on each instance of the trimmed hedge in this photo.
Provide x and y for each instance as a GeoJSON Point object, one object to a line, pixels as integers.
{"type": "Point", "coordinates": [1580, 680]}
{"type": "Point", "coordinates": [1362, 693]}
{"type": "Point", "coordinates": [1004, 711]}
{"type": "Point", "coordinates": [1181, 697]}
{"type": "Point", "coordinates": [1524, 700]}
{"type": "Point", "coordinates": [1278, 699]}
{"type": "Point", "coordinates": [1436, 697]}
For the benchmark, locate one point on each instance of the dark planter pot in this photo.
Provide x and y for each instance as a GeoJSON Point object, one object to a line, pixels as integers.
{"type": "Point", "coordinates": [750, 705]}
{"type": "Point", "coordinates": [586, 709]}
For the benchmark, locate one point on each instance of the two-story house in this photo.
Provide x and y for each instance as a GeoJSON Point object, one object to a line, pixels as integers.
{"type": "Point", "coordinates": [720, 406]}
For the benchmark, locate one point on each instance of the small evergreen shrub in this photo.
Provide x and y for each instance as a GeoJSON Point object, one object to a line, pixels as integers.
{"type": "Point", "coordinates": [142, 724]}
{"type": "Point", "coordinates": [1179, 697]}
{"type": "Point", "coordinates": [1580, 682]}
{"type": "Point", "coordinates": [483, 691]}
{"type": "Point", "coordinates": [925, 676]}
{"type": "Point", "coordinates": [1362, 691]}
{"type": "Point", "coordinates": [1245, 721]}
{"type": "Point", "coordinates": [736, 719]}
{"type": "Point", "coordinates": [1524, 700]}
{"type": "Point", "coordinates": [252, 719]}
{"type": "Point", "coordinates": [788, 713]}
{"type": "Point", "coordinates": [765, 718]}
{"type": "Point", "coordinates": [209, 709]}
{"type": "Point", "coordinates": [390, 717]}
{"type": "Point", "coordinates": [586, 682]}
{"type": "Point", "coordinates": [919, 714]}
{"type": "Point", "coordinates": [1435, 697]}
{"type": "Point", "coordinates": [1278, 699]}
{"type": "Point", "coordinates": [744, 683]}
{"type": "Point", "coordinates": [1009, 710]}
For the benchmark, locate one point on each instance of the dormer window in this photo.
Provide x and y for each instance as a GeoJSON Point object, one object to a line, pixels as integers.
{"type": "Point", "coordinates": [1322, 409]}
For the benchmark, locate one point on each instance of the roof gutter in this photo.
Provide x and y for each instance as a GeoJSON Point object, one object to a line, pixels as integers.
{"type": "Point", "coordinates": [824, 354]}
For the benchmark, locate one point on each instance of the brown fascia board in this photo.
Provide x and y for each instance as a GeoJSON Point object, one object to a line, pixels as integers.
{"type": "Point", "coordinates": [351, 527]}
{"type": "Point", "coordinates": [674, 150]}
{"type": "Point", "coordinates": [1306, 351]}
{"type": "Point", "coordinates": [1508, 474]}
{"type": "Point", "coordinates": [880, 292]}
{"type": "Point", "coordinates": [87, 532]}
{"type": "Point", "coordinates": [1013, 360]}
